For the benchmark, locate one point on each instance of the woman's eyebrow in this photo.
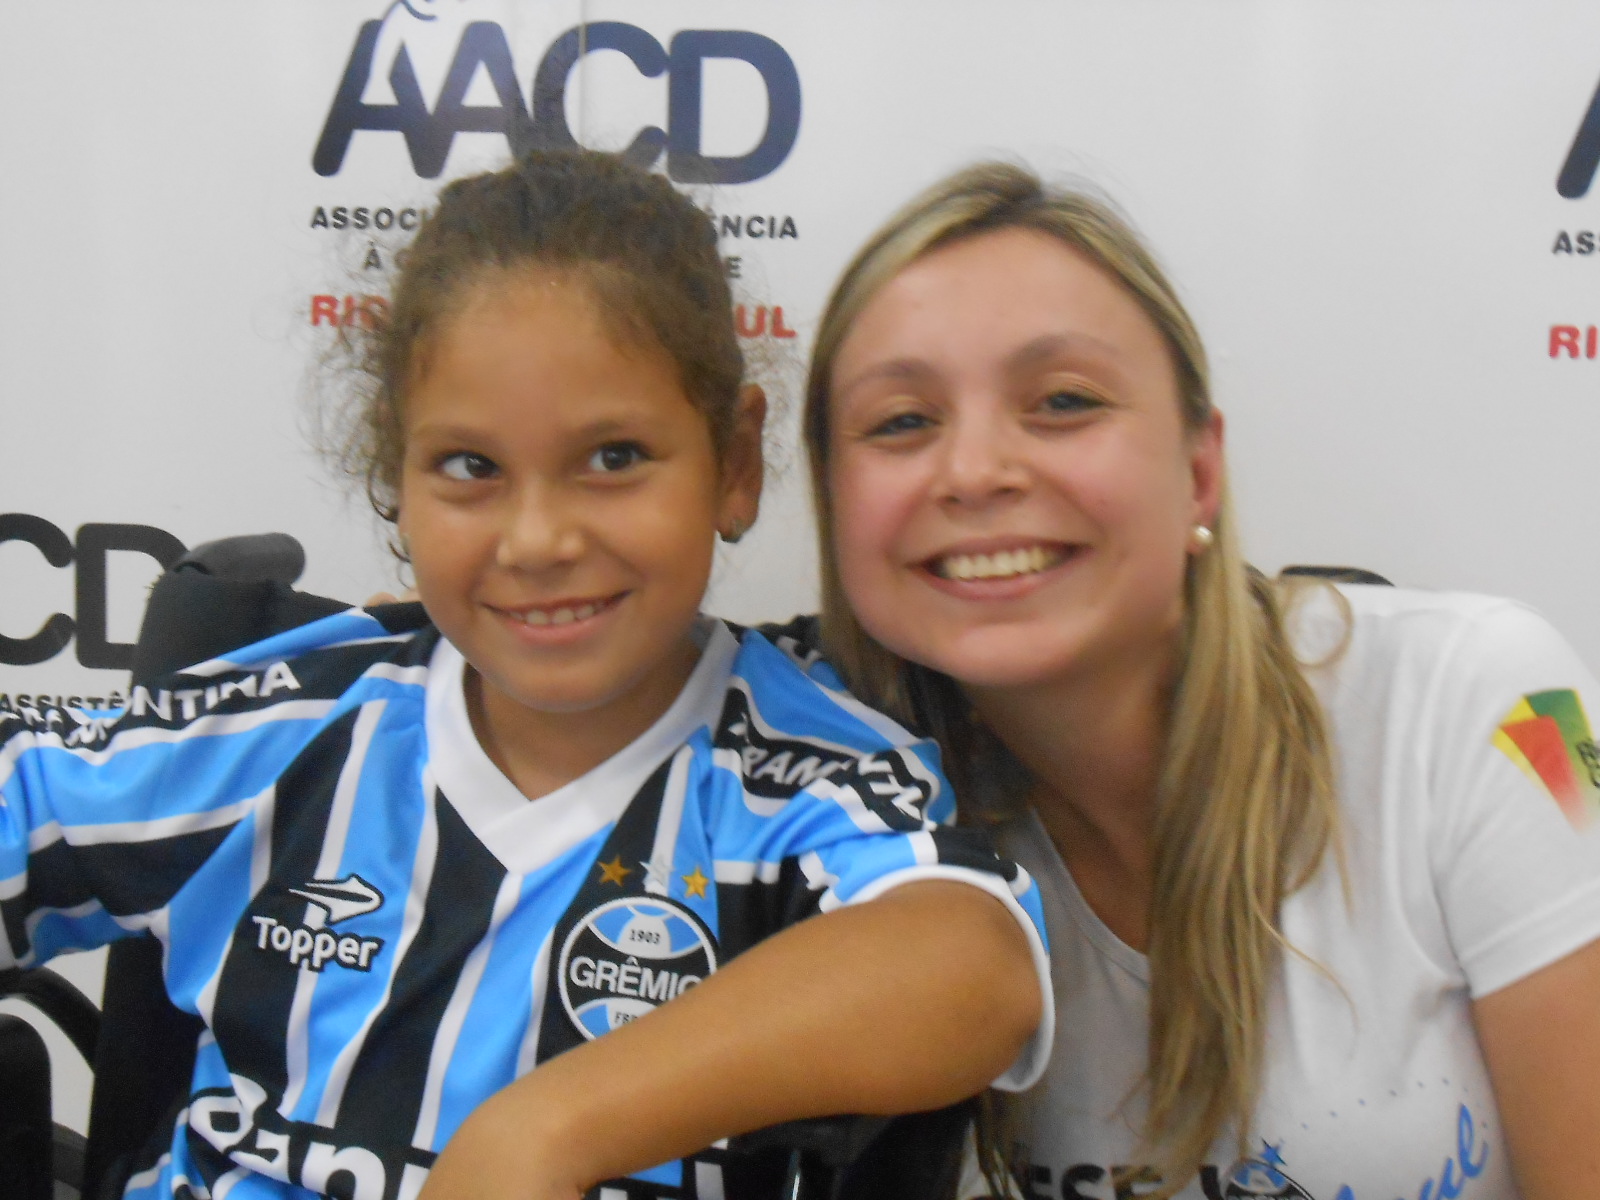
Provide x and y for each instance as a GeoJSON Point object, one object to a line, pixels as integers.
{"type": "Point", "coordinates": [1056, 345]}
{"type": "Point", "coordinates": [1029, 355]}
{"type": "Point", "coordinates": [910, 370]}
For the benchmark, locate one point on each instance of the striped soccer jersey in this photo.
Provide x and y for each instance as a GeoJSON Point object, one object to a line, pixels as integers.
{"type": "Point", "coordinates": [380, 931]}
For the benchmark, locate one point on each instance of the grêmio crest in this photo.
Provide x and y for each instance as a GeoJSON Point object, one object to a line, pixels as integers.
{"type": "Point", "coordinates": [628, 955]}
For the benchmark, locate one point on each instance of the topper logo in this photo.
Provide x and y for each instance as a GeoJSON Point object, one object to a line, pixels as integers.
{"type": "Point", "coordinates": [362, 102]}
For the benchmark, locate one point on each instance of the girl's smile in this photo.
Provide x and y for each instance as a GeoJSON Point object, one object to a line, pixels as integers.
{"type": "Point", "coordinates": [562, 621]}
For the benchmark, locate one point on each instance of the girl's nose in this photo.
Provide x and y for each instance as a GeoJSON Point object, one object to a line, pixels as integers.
{"type": "Point", "coordinates": [982, 461]}
{"type": "Point", "coordinates": [540, 531]}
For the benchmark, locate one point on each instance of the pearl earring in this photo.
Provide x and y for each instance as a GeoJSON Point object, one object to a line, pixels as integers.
{"type": "Point", "coordinates": [1203, 537]}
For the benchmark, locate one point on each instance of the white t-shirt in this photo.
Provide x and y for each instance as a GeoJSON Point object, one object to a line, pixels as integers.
{"type": "Point", "coordinates": [1467, 774]}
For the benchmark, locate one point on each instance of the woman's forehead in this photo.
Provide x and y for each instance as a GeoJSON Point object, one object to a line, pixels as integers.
{"type": "Point", "coordinates": [995, 300]}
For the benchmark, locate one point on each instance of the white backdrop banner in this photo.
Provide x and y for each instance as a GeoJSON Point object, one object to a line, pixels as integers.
{"type": "Point", "coordinates": [1381, 214]}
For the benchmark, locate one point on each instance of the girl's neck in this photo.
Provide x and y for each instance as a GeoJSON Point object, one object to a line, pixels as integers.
{"type": "Point", "coordinates": [1093, 743]}
{"type": "Point", "coordinates": [541, 751]}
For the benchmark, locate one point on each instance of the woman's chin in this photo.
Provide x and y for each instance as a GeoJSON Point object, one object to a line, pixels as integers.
{"type": "Point", "coordinates": [992, 659]}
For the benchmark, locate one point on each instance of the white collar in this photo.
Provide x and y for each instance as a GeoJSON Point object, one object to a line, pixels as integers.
{"type": "Point", "coordinates": [526, 834]}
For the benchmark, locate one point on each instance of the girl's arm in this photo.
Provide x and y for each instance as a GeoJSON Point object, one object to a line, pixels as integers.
{"type": "Point", "coordinates": [1541, 1039]}
{"type": "Point", "coordinates": [911, 1001]}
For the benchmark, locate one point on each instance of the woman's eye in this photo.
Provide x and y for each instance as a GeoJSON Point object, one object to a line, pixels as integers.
{"type": "Point", "coordinates": [466, 467]}
{"type": "Point", "coordinates": [616, 456]}
{"type": "Point", "coordinates": [1069, 401]}
{"type": "Point", "coordinates": [902, 422]}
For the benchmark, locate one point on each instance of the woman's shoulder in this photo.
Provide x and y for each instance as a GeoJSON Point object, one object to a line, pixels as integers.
{"type": "Point", "coordinates": [1447, 679]}
{"type": "Point", "coordinates": [1352, 629]}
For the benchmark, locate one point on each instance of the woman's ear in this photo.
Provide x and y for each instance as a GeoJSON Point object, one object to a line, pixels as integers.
{"type": "Point", "coordinates": [1205, 469]}
{"type": "Point", "coordinates": [743, 465]}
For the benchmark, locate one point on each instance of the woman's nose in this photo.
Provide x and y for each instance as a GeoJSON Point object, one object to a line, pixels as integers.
{"type": "Point", "coordinates": [982, 461]}
{"type": "Point", "coordinates": [539, 531]}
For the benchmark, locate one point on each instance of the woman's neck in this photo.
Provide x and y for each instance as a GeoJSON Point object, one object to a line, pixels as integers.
{"type": "Point", "coordinates": [1094, 744]}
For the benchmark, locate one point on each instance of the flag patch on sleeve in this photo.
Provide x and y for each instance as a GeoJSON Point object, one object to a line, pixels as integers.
{"type": "Point", "coordinates": [1547, 735]}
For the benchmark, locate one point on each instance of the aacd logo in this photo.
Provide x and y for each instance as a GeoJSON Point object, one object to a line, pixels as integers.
{"type": "Point", "coordinates": [482, 52]}
{"type": "Point", "coordinates": [87, 554]}
{"type": "Point", "coordinates": [1577, 173]}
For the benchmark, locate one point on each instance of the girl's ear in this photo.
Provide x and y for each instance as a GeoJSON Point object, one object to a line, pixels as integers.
{"type": "Point", "coordinates": [743, 465]}
{"type": "Point", "coordinates": [1205, 469]}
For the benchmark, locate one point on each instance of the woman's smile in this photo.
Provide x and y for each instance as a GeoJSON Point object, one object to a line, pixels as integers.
{"type": "Point", "coordinates": [1001, 563]}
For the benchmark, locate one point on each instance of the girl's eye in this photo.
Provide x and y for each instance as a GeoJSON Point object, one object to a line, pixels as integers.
{"type": "Point", "coordinates": [466, 467]}
{"type": "Point", "coordinates": [1067, 401]}
{"type": "Point", "coordinates": [616, 456]}
{"type": "Point", "coordinates": [901, 422]}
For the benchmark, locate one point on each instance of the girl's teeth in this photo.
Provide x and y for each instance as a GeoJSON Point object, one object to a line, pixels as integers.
{"type": "Point", "coordinates": [561, 616]}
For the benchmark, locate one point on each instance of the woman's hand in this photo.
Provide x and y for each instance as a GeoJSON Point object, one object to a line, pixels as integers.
{"type": "Point", "coordinates": [1541, 1039]}
{"type": "Point", "coordinates": [405, 597]}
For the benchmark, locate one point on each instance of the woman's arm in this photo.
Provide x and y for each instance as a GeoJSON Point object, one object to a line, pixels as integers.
{"type": "Point", "coordinates": [910, 1001]}
{"type": "Point", "coordinates": [1541, 1039]}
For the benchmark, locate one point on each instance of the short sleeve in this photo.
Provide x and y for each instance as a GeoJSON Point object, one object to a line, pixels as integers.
{"type": "Point", "coordinates": [858, 835]}
{"type": "Point", "coordinates": [1514, 821]}
{"type": "Point", "coordinates": [836, 805]}
{"type": "Point", "coordinates": [106, 817]}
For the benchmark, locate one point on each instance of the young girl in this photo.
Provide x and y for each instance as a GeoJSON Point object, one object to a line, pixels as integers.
{"type": "Point", "coordinates": [399, 860]}
{"type": "Point", "coordinates": [1323, 878]}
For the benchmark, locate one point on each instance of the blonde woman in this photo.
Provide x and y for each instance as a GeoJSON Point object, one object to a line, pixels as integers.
{"type": "Point", "coordinates": [1322, 870]}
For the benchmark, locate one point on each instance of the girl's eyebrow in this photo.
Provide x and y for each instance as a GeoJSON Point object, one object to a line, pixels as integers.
{"type": "Point", "coordinates": [603, 427]}
{"type": "Point", "coordinates": [596, 430]}
{"type": "Point", "coordinates": [444, 430]}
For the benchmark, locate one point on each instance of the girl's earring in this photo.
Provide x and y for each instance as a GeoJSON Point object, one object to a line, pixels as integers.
{"type": "Point", "coordinates": [734, 531]}
{"type": "Point", "coordinates": [1202, 537]}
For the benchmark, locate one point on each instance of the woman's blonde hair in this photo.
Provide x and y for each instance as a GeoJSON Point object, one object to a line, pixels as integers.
{"type": "Point", "coordinates": [1246, 804]}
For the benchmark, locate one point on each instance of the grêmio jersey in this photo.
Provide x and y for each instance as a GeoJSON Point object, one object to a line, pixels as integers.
{"type": "Point", "coordinates": [380, 931]}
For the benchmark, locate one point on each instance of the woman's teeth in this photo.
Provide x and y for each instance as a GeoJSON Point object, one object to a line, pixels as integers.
{"type": "Point", "coordinates": [559, 616]}
{"type": "Point", "coordinates": [1002, 565]}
